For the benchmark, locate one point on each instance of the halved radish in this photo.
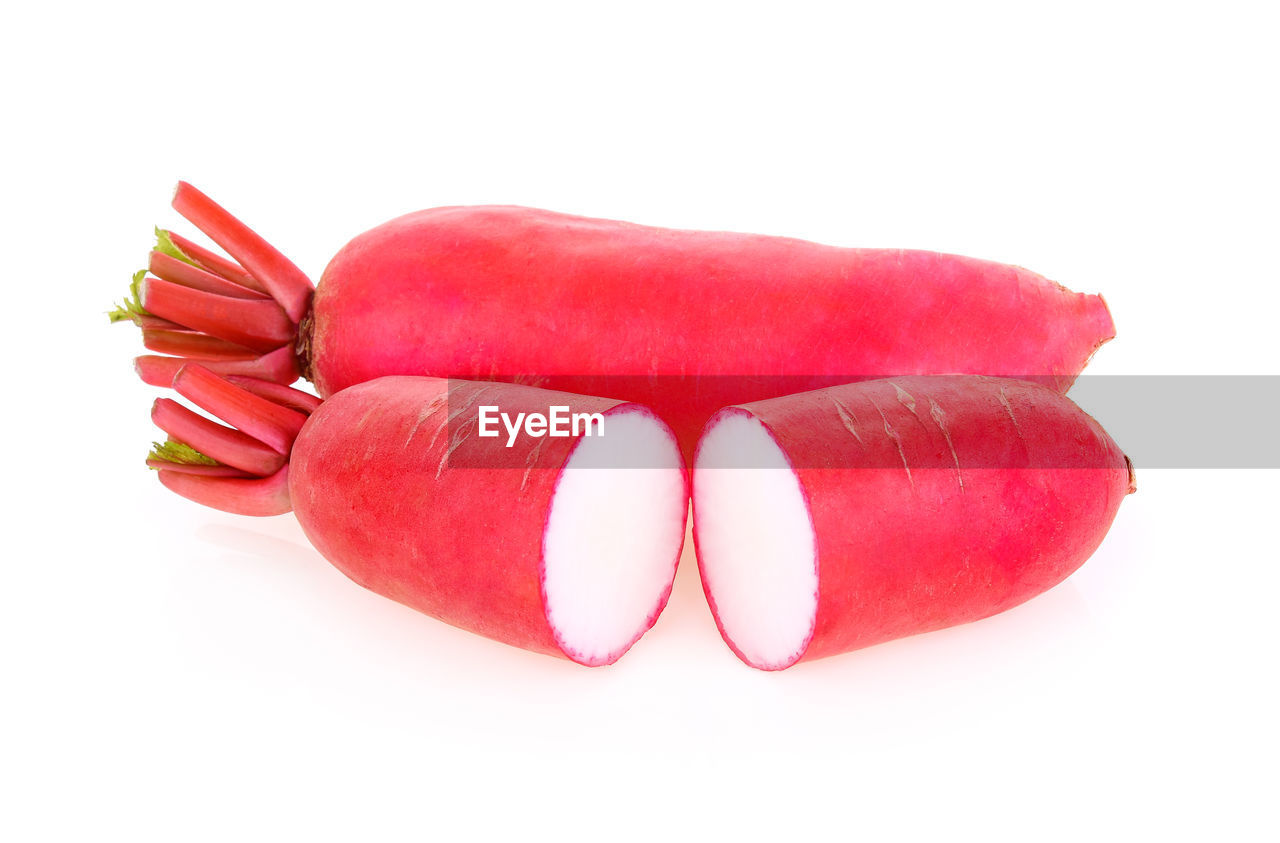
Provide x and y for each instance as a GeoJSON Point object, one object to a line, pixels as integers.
{"type": "Point", "coordinates": [844, 517]}
{"type": "Point", "coordinates": [564, 545]}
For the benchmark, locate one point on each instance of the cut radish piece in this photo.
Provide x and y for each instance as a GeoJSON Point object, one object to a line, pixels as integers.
{"type": "Point", "coordinates": [562, 545]}
{"type": "Point", "coordinates": [559, 537]}
{"type": "Point", "coordinates": [616, 524]}
{"type": "Point", "coordinates": [839, 518]}
{"type": "Point", "coordinates": [756, 547]}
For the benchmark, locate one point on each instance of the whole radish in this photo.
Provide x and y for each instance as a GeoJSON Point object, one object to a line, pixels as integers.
{"type": "Point", "coordinates": [843, 517]}
{"type": "Point", "coordinates": [563, 544]}
{"type": "Point", "coordinates": [683, 321]}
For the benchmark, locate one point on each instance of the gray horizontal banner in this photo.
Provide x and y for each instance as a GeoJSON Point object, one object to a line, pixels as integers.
{"type": "Point", "coordinates": [1187, 421]}
{"type": "Point", "coordinates": [1158, 421]}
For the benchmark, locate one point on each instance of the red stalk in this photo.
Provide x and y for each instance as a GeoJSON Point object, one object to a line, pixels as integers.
{"type": "Point", "coordinates": [216, 263]}
{"type": "Point", "coordinates": [227, 446]}
{"type": "Point", "coordinates": [256, 323]}
{"type": "Point", "coordinates": [202, 470]}
{"type": "Point", "coordinates": [254, 496]}
{"type": "Point", "coordinates": [260, 418]}
{"type": "Point", "coordinates": [180, 272]}
{"type": "Point", "coordinates": [192, 344]}
{"type": "Point", "coordinates": [286, 396]}
{"type": "Point", "coordinates": [279, 366]}
{"type": "Point", "coordinates": [155, 323]}
{"type": "Point", "coordinates": [283, 280]}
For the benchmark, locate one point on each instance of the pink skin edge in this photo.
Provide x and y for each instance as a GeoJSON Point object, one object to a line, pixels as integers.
{"type": "Point", "coordinates": [702, 574]}
{"type": "Point", "coordinates": [661, 604]}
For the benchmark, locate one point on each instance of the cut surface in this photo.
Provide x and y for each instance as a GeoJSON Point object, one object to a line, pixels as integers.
{"type": "Point", "coordinates": [756, 546]}
{"type": "Point", "coordinates": [613, 536]}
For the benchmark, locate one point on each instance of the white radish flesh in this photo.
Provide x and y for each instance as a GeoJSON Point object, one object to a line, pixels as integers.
{"type": "Point", "coordinates": [755, 540]}
{"type": "Point", "coordinates": [613, 534]}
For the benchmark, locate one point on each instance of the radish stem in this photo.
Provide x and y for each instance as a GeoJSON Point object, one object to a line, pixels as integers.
{"type": "Point", "coordinates": [241, 496]}
{"type": "Point", "coordinates": [283, 280]}
{"type": "Point", "coordinates": [286, 396]}
{"type": "Point", "coordinates": [178, 453]}
{"type": "Point", "coordinates": [131, 308]}
{"type": "Point", "coordinates": [279, 366]}
{"type": "Point", "coordinates": [227, 446]}
{"type": "Point", "coordinates": [193, 344]}
{"type": "Point", "coordinates": [183, 249]}
{"type": "Point", "coordinates": [258, 324]}
{"type": "Point", "coordinates": [260, 418]}
{"type": "Point", "coordinates": [173, 455]}
{"type": "Point", "coordinates": [189, 275]}
{"type": "Point", "coordinates": [155, 323]}
{"type": "Point", "coordinates": [202, 470]}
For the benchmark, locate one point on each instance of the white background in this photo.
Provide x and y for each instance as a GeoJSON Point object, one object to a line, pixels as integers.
{"type": "Point", "coordinates": [172, 673]}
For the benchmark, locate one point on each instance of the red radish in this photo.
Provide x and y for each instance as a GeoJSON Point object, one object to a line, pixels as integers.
{"type": "Point", "coordinates": [683, 321]}
{"type": "Point", "coordinates": [562, 545]}
{"type": "Point", "coordinates": [844, 517]}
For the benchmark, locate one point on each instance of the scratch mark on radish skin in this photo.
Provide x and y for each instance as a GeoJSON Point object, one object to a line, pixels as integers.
{"type": "Point", "coordinates": [450, 417]}
{"type": "Point", "coordinates": [531, 462]}
{"type": "Point", "coordinates": [1008, 408]}
{"type": "Point", "coordinates": [469, 402]}
{"type": "Point", "coordinates": [465, 431]}
{"type": "Point", "coordinates": [940, 419]}
{"type": "Point", "coordinates": [425, 413]}
{"type": "Point", "coordinates": [848, 419]}
{"type": "Point", "coordinates": [444, 424]}
{"type": "Point", "coordinates": [365, 418]}
{"type": "Point", "coordinates": [897, 440]}
{"type": "Point", "coordinates": [905, 399]}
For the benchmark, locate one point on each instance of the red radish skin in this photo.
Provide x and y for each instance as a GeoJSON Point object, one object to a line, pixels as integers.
{"type": "Point", "coordinates": [393, 485]}
{"type": "Point", "coordinates": [919, 503]}
{"type": "Point", "coordinates": [522, 292]}
{"type": "Point", "coordinates": [612, 308]}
